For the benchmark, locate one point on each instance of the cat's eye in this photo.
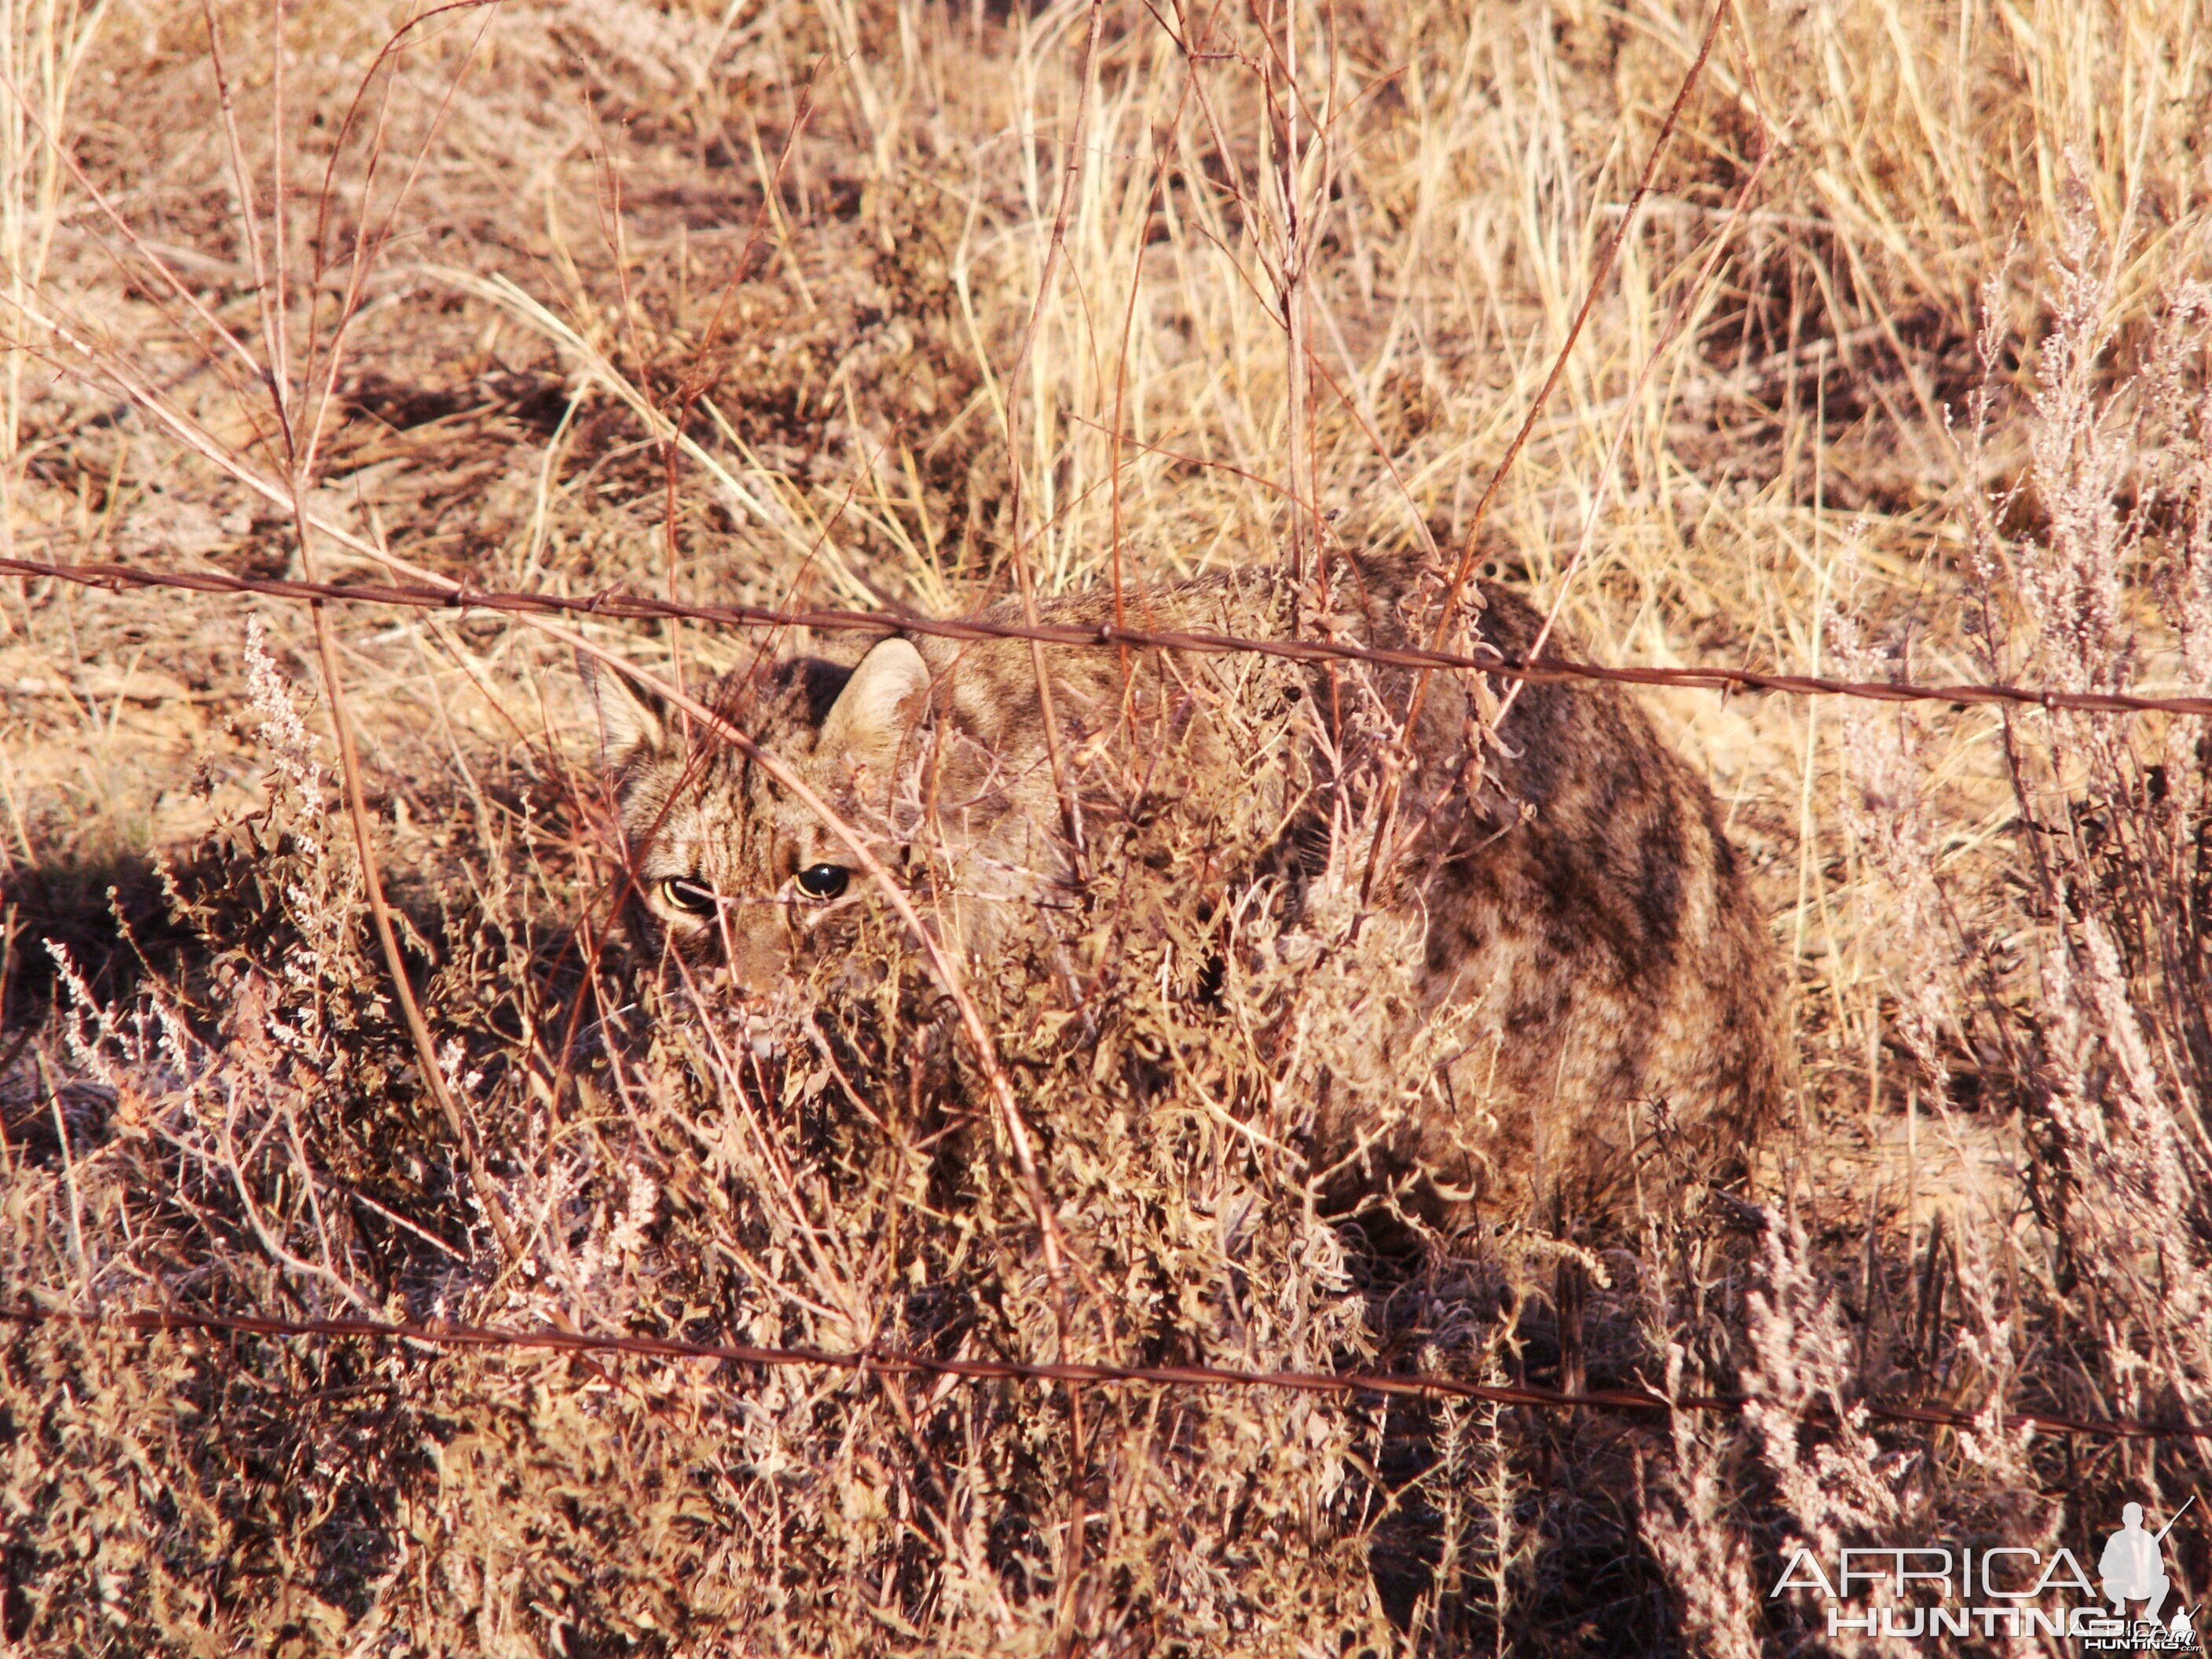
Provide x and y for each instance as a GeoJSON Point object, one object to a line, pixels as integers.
{"type": "Point", "coordinates": [824, 881]}
{"type": "Point", "coordinates": [692, 898]}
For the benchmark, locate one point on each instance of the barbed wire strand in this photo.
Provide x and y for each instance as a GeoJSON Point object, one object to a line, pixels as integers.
{"type": "Point", "coordinates": [619, 605]}
{"type": "Point", "coordinates": [894, 1361]}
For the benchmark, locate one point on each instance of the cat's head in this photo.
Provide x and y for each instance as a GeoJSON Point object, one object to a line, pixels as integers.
{"type": "Point", "coordinates": [734, 868]}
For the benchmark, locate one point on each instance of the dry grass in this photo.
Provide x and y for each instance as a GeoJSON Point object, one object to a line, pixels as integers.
{"type": "Point", "coordinates": [727, 302]}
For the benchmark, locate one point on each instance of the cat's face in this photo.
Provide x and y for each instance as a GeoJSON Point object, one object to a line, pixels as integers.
{"type": "Point", "coordinates": [734, 869]}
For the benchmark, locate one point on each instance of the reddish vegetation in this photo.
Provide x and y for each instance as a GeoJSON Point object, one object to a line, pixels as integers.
{"type": "Point", "coordinates": [1900, 374]}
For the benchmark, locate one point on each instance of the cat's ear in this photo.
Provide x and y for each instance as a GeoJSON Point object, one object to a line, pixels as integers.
{"type": "Point", "coordinates": [879, 707]}
{"type": "Point", "coordinates": [633, 725]}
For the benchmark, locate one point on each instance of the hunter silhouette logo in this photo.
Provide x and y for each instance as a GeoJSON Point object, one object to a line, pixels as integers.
{"type": "Point", "coordinates": [1930, 1591]}
{"type": "Point", "coordinates": [2132, 1567]}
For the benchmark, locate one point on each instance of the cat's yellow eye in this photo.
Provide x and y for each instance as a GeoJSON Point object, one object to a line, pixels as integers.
{"type": "Point", "coordinates": [692, 898]}
{"type": "Point", "coordinates": [824, 881]}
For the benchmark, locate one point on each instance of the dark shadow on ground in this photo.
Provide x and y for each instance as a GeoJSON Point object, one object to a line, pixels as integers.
{"type": "Point", "coordinates": [109, 917]}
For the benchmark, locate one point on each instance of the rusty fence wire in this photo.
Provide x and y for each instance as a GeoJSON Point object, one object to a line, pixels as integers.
{"type": "Point", "coordinates": [615, 603]}
{"type": "Point", "coordinates": [899, 1362]}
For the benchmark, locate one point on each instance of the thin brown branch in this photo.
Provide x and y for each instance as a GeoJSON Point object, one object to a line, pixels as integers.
{"type": "Point", "coordinates": [1070, 813]}
{"type": "Point", "coordinates": [1448, 610]}
{"type": "Point", "coordinates": [1675, 324]}
{"type": "Point", "coordinates": [1449, 606]}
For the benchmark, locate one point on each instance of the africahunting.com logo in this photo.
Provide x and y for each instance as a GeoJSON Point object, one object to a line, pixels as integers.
{"type": "Point", "coordinates": [1932, 1592]}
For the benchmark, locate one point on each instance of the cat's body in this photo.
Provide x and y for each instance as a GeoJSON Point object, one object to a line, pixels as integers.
{"type": "Point", "coordinates": [1578, 908]}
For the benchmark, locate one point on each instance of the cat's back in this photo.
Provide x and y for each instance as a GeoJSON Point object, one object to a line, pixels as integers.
{"type": "Point", "coordinates": [1580, 908]}
{"type": "Point", "coordinates": [1587, 894]}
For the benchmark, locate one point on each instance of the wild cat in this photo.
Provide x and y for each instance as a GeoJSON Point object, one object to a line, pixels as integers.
{"type": "Point", "coordinates": [1563, 879]}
